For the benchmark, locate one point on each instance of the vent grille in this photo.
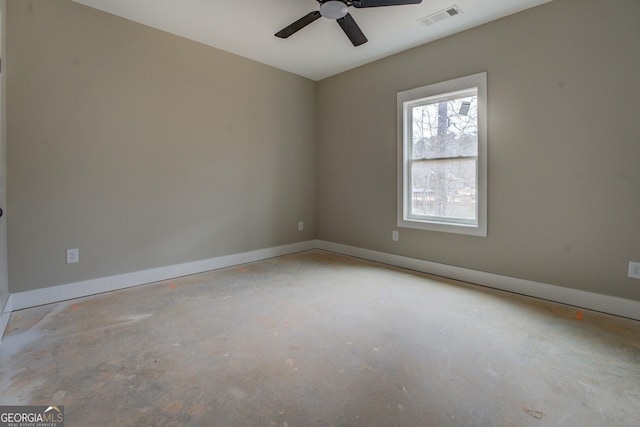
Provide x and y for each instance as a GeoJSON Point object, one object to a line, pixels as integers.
{"type": "Point", "coordinates": [441, 15]}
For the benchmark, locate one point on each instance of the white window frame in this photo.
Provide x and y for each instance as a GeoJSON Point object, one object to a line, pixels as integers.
{"type": "Point", "coordinates": [405, 102]}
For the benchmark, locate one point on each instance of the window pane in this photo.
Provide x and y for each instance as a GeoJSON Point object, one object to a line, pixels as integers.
{"type": "Point", "coordinates": [444, 188]}
{"type": "Point", "coordinates": [445, 128]}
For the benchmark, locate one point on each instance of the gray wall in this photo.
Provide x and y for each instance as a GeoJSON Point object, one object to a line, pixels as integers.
{"type": "Point", "coordinates": [143, 149]}
{"type": "Point", "coordinates": [4, 282]}
{"type": "Point", "coordinates": [563, 141]}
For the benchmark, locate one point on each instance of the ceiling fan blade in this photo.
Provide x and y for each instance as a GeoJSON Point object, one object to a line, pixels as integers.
{"type": "Point", "coordinates": [378, 3]}
{"type": "Point", "coordinates": [352, 30]}
{"type": "Point", "coordinates": [298, 25]}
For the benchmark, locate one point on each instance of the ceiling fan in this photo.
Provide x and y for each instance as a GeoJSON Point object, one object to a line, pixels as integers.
{"type": "Point", "coordinates": [338, 10]}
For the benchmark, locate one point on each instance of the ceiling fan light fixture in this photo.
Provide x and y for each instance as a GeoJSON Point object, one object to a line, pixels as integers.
{"type": "Point", "coordinates": [333, 9]}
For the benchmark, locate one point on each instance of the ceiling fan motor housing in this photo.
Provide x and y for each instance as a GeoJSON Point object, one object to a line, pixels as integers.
{"type": "Point", "coordinates": [333, 9]}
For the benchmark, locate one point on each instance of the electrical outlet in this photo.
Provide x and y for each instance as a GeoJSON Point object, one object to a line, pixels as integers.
{"type": "Point", "coordinates": [634, 270]}
{"type": "Point", "coordinates": [300, 226]}
{"type": "Point", "coordinates": [73, 256]}
{"type": "Point", "coordinates": [394, 236]}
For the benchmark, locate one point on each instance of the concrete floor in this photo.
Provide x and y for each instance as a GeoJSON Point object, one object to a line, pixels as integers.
{"type": "Point", "coordinates": [318, 339]}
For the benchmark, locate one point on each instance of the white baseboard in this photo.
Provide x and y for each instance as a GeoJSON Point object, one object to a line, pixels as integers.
{"type": "Point", "coordinates": [5, 315]}
{"type": "Point", "coordinates": [589, 300]}
{"type": "Point", "coordinates": [85, 288]}
{"type": "Point", "coordinates": [592, 301]}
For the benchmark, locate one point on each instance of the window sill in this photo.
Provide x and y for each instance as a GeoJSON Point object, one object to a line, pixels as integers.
{"type": "Point", "coordinates": [444, 227]}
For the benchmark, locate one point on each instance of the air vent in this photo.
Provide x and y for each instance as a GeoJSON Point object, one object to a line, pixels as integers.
{"type": "Point", "coordinates": [441, 15]}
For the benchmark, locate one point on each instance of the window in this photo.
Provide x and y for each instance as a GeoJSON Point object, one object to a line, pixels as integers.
{"type": "Point", "coordinates": [442, 156]}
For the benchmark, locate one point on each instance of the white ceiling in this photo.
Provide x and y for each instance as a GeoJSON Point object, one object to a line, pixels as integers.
{"type": "Point", "coordinates": [247, 28]}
